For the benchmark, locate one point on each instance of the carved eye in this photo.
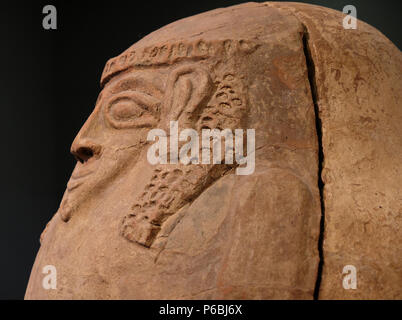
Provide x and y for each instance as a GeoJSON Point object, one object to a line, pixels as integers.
{"type": "Point", "coordinates": [132, 109]}
{"type": "Point", "coordinates": [126, 109]}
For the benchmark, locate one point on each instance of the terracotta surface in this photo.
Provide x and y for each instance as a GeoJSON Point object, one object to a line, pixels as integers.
{"type": "Point", "coordinates": [325, 106]}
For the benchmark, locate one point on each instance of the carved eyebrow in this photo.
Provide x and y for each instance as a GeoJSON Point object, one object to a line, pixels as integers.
{"type": "Point", "coordinates": [148, 84]}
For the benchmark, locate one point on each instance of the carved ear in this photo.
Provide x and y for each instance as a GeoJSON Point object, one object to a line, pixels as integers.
{"type": "Point", "coordinates": [188, 88]}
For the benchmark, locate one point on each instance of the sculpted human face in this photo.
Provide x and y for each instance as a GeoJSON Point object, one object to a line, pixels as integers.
{"type": "Point", "coordinates": [113, 137]}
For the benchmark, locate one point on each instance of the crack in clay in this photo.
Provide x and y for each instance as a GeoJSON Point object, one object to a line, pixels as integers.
{"type": "Point", "coordinates": [313, 88]}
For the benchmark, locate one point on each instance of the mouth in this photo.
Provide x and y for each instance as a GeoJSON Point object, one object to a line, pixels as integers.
{"type": "Point", "coordinates": [73, 184]}
{"type": "Point", "coordinates": [81, 173]}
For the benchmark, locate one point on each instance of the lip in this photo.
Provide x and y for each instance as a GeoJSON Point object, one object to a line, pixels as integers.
{"type": "Point", "coordinates": [73, 184]}
{"type": "Point", "coordinates": [81, 173]}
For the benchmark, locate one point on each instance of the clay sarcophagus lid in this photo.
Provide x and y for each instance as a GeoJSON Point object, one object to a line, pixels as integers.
{"type": "Point", "coordinates": [314, 184]}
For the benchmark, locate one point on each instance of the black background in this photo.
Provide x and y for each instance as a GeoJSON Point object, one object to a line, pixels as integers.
{"type": "Point", "coordinates": [49, 83]}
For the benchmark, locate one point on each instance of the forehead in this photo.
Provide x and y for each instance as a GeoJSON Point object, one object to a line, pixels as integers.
{"type": "Point", "coordinates": [150, 81]}
{"type": "Point", "coordinates": [155, 56]}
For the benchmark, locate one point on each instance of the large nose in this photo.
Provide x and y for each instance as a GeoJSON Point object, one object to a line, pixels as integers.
{"type": "Point", "coordinates": [86, 144]}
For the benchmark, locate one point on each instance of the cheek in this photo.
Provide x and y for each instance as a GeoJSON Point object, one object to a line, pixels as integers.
{"type": "Point", "coordinates": [119, 139]}
{"type": "Point", "coordinates": [124, 147]}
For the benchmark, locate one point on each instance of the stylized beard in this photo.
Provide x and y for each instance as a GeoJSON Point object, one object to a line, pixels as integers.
{"type": "Point", "coordinates": [171, 187]}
